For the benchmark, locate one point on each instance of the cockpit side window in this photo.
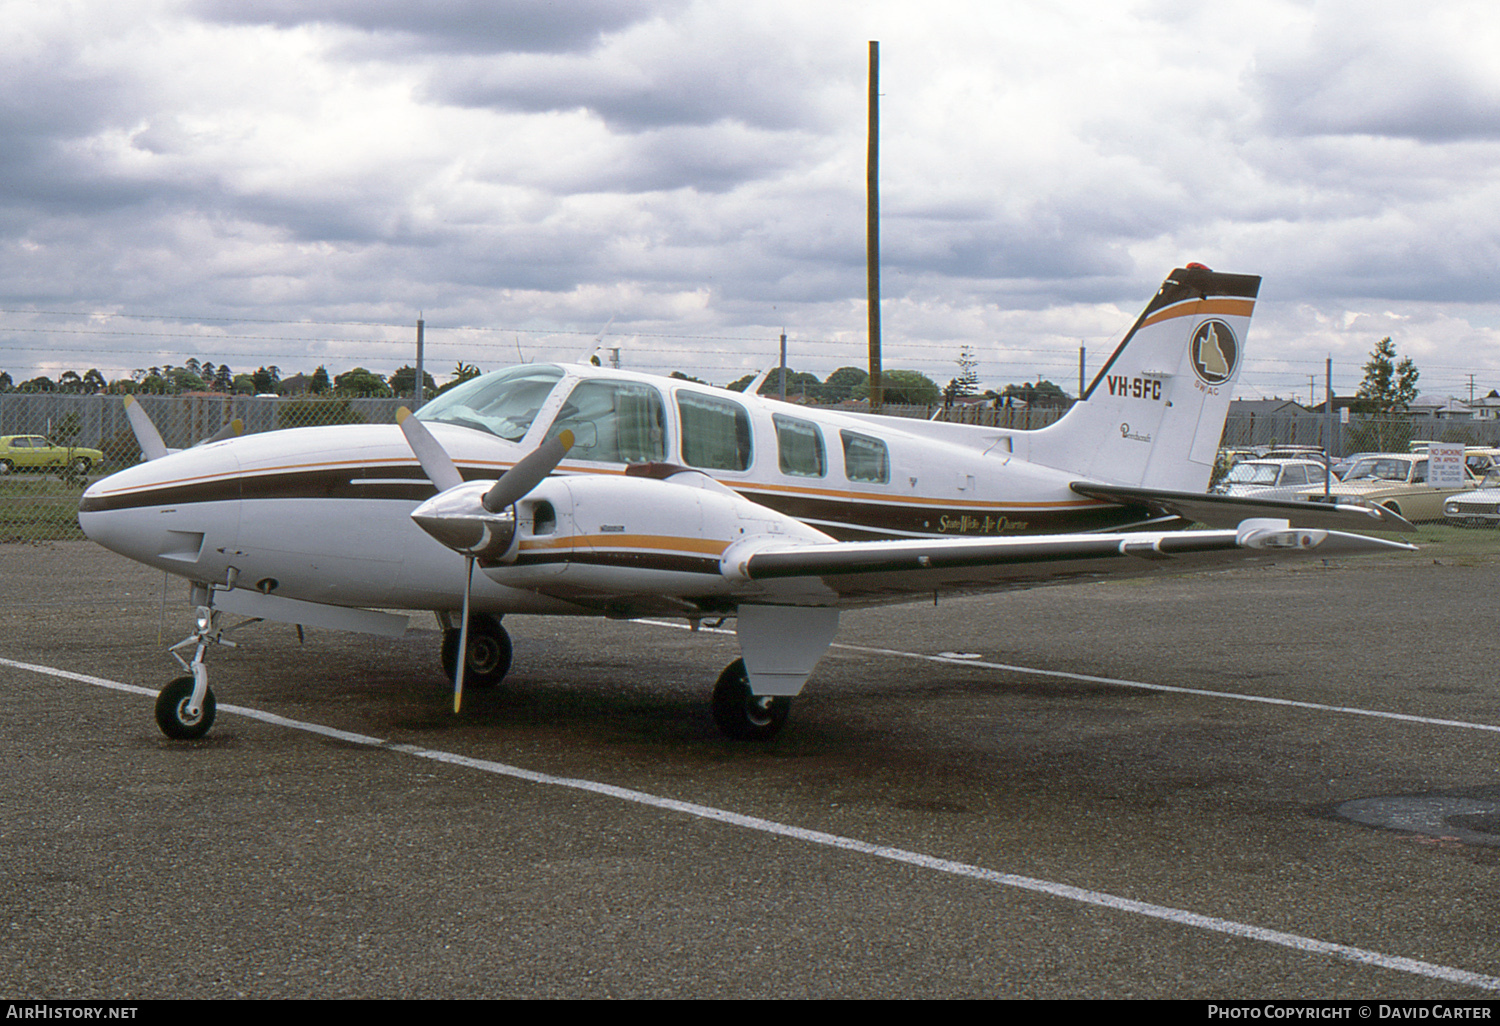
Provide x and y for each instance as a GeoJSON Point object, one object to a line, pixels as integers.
{"type": "Point", "coordinates": [715, 432]}
{"type": "Point", "coordinates": [614, 422]}
{"type": "Point", "coordinates": [504, 403]}
{"type": "Point", "coordinates": [799, 447]}
{"type": "Point", "coordinates": [865, 458]}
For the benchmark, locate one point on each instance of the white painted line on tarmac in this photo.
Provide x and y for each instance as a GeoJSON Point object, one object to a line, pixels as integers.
{"type": "Point", "coordinates": [965, 659]}
{"type": "Point", "coordinates": [1081, 895]}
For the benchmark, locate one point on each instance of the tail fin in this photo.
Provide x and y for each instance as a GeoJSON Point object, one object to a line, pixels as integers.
{"type": "Point", "coordinates": [1154, 414]}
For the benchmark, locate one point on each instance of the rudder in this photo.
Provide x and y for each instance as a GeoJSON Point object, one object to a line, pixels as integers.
{"type": "Point", "coordinates": [1154, 414]}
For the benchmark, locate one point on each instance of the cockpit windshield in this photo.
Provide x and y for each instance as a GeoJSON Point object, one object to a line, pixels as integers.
{"type": "Point", "coordinates": [504, 403]}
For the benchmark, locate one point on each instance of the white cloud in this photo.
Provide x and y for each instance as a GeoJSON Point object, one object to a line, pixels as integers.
{"type": "Point", "coordinates": [697, 168]}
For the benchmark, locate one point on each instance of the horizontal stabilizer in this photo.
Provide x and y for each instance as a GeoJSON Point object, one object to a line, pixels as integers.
{"type": "Point", "coordinates": [1230, 510]}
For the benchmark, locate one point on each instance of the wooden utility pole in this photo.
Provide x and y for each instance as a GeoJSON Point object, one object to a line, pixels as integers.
{"type": "Point", "coordinates": [872, 229]}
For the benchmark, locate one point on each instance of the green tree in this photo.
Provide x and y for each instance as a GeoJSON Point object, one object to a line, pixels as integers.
{"type": "Point", "coordinates": [846, 383]}
{"type": "Point", "coordinates": [320, 382]}
{"type": "Point", "coordinates": [967, 381]}
{"type": "Point", "coordinates": [1388, 390]}
{"type": "Point", "coordinates": [184, 380]}
{"type": "Point", "coordinates": [404, 382]}
{"type": "Point", "coordinates": [1389, 387]}
{"type": "Point", "coordinates": [1043, 393]}
{"type": "Point", "coordinates": [908, 388]}
{"type": "Point", "coordinates": [361, 382]}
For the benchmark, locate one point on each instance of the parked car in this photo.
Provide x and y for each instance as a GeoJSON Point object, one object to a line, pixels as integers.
{"type": "Point", "coordinates": [37, 452]}
{"type": "Point", "coordinates": [1481, 459]}
{"type": "Point", "coordinates": [1271, 478]}
{"type": "Point", "coordinates": [1397, 481]}
{"type": "Point", "coordinates": [1341, 466]}
{"type": "Point", "coordinates": [1479, 508]}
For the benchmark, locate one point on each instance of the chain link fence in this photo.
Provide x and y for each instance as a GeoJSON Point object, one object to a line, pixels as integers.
{"type": "Point", "coordinates": [53, 445]}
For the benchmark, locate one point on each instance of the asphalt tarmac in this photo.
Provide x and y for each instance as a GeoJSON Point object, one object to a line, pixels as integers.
{"type": "Point", "coordinates": [927, 825]}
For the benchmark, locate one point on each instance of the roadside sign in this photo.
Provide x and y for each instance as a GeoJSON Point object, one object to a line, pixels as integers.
{"type": "Point", "coordinates": [1445, 465]}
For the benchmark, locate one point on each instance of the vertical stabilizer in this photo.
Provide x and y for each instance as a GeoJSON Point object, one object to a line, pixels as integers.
{"type": "Point", "coordinates": [1154, 414]}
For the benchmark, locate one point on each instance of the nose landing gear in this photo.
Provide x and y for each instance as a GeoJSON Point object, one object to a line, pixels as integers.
{"type": "Point", "coordinates": [185, 707]}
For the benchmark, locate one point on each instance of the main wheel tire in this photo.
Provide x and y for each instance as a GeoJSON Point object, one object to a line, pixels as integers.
{"type": "Point", "coordinates": [6, 466]}
{"type": "Point", "coordinates": [172, 715]}
{"type": "Point", "coordinates": [743, 715]}
{"type": "Point", "coordinates": [489, 652]}
{"type": "Point", "coordinates": [80, 466]}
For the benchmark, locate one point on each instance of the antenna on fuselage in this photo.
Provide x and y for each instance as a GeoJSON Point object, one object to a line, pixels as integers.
{"type": "Point", "coordinates": [599, 344]}
{"type": "Point", "coordinates": [760, 379]}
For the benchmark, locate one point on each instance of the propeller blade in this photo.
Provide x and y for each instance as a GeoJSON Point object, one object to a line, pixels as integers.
{"type": "Point", "coordinates": [463, 637]}
{"type": "Point", "coordinates": [233, 429]}
{"type": "Point", "coordinates": [528, 473]}
{"type": "Point", "coordinates": [152, 447]}
{"type": "Point", "coordinates": [436, 462]}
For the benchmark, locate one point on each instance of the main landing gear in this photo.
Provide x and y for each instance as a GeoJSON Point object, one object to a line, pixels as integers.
{"type": "Point", "coordinates": [489, 651]}
{"type": "Point", "coordinates": [742, 714]}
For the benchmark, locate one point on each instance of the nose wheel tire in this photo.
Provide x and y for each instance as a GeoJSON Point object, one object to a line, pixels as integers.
{"type": "Point", "coordinates": [743, 715]}
{"type": "Point", "coordinates": [172, 711]}
{"type": "Point", "coordinates": [489, 652]}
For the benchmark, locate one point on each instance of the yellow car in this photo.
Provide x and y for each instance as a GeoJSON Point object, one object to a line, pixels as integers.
{"type": "Point", "coordinates": [37, 452]}
{"type": "Point", "coordinates": [1397, 481]}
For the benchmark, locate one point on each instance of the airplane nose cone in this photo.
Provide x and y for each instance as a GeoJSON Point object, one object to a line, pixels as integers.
{"type": "Point", "coordinates": [166, 512]}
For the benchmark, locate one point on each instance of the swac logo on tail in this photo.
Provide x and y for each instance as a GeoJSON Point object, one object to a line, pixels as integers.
{"type": "Point", "coordinates": [1216, 352]}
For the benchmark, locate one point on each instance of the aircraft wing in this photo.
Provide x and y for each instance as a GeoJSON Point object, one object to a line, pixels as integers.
{"type": "Point", "coordinates": [1230, 510]}
{"type": "Point", "coordinates": [895, 570]}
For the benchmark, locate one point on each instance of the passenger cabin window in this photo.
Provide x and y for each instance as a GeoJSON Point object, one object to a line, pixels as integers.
{"type": "Point", "coordinates": [865, 458]}
{"type": "Point", "coordinates": [799, 447]}
{"type": "Point", "coordinates": [613, 422]}
{"type": "Point", "coordinates": [715, 432]}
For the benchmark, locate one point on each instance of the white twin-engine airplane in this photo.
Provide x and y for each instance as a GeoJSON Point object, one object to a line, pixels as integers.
{"type": "Point", "coordinates": [625, 495]}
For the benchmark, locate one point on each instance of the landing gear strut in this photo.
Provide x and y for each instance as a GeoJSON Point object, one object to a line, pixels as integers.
{"type": "Point", "coordinates": [185, 707]}
{"type": "Point", "coordinates": [743, 715]}
{"type": "Point", "coordinates": [489, 652]}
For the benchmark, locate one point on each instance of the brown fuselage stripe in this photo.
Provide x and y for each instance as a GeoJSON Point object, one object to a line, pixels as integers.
{"type": "Point", "coordinates": [852, 515]}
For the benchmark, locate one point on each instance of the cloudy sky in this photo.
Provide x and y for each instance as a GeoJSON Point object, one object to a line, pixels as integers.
{"type": "Point", "coordinates": [294, 182]}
